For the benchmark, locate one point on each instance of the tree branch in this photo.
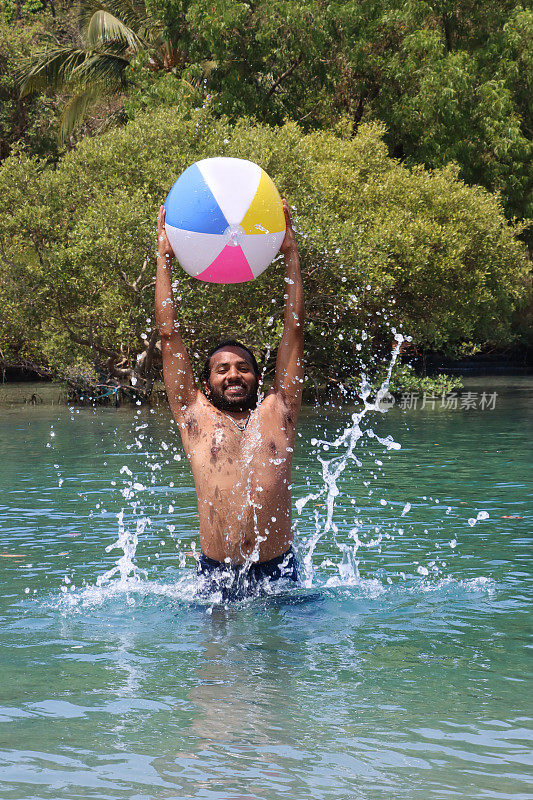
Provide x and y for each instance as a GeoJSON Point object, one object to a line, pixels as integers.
{"type": "Point", "coordinates": [285, 75]}
{"type": "Point", "coordinates": [135, 284]}
{"type": "Point", "coordinates": [150, 350]}
{"type": "Point", "coordinates": [89, 342]}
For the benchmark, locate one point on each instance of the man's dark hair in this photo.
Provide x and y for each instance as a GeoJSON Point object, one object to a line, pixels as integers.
{"type": "Point", "coordinates": [206, 371]}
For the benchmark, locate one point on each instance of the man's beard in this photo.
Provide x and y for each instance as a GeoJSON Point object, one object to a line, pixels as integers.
{"type": "Point", "coordinates": [247, 402]}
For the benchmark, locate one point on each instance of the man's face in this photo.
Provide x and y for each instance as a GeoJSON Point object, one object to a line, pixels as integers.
{"type": "Point", "coordinates": [232, 384]}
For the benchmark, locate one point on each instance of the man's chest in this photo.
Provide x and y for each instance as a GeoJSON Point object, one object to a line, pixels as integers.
{"type": "Point", "coordinates": [219, 446]}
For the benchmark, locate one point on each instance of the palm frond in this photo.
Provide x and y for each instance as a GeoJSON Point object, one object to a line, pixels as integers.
{"type": "Point", "coordinates": [75, 110]}
{"type": "Point", "coordinates": [210, 65]}
{"type": "Point", "coordinates": [111, 30]}
{"type": "Point", "coordinates": [132, 15]}
{"type": "Point", "coordinates": [102, 67]}
{"type": "Point", "coordinates": [105, 27]}
{"type": "Point", "coordinates": [52, 69]}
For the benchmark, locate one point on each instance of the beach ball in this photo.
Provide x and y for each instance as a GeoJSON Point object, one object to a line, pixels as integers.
{"type": "Point", "coordinates": [224, 220]}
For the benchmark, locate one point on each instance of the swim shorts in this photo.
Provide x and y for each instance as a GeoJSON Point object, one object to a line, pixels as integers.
{"type": "Point", "coordinates": [238, 581]}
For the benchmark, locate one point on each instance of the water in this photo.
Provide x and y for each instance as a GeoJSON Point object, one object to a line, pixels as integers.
{"type": "Point", "coordinates": [401, 671]}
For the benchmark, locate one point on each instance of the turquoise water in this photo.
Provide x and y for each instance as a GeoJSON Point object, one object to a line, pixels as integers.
{"type": "Point", "coordinates": [400, 671]}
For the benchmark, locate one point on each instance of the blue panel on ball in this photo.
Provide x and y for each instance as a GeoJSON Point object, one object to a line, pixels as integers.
{"type": "Point", "coordinates": [190, 205]}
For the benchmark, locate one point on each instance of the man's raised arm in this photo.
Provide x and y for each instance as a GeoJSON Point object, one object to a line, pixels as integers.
{"type": "Point", "coordinates": [288, 382]}
{"type": "Point", "coordinates": [177, 371]}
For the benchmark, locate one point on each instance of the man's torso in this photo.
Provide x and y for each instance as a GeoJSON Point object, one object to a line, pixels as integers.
{"type": "Point", "coordinates": [242, 479]}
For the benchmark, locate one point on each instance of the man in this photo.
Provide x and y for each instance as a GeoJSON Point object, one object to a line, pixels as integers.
{"type": "Point", "coordinates": [240, 452]}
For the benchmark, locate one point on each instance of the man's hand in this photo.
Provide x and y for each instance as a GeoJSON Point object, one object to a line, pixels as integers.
{"type": "Point", "coordinates": [163, 245]}
{"type": "Point", "coordinates": [289, 243]}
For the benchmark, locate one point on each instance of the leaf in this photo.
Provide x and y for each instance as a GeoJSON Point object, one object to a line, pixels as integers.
{"type": "Point", "coordinates": [74, 111]}
{"type": "Point", "coordinates": [53, 69]}
{"type": "Point", "coordinates": [105, 27]}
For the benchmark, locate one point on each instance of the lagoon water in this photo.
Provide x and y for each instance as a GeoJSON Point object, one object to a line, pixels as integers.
{"type": "Point", "coordinates": [401, 670]}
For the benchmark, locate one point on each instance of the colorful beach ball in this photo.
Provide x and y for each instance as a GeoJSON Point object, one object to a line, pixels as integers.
{"type": "Point", "coordinates": [224, 220]}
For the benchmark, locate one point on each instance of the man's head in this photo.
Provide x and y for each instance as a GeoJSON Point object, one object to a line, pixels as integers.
{"type": "Point", "coordinates": [231, 376]}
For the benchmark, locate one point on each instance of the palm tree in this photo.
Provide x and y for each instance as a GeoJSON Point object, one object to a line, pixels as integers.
{"type": "Point", "coordinates": [110, 34]}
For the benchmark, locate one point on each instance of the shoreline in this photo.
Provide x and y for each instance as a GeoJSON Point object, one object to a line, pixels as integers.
{"type": "Point", "coordinates": [18, 394]}
{"type": "Point", "coordinates": [54, 393]}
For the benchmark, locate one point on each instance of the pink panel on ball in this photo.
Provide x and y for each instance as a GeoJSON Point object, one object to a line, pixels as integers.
{"type": "Point", "coordinates": [230, 266]}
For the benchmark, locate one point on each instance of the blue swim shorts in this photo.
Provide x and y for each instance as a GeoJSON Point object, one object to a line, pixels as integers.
{"type": "Point", "coordinates": [239, 581]}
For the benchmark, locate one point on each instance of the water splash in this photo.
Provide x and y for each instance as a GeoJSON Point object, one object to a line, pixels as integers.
{"type": "Point", "coordinates": [261, 381]}
{"type": "Point", "coordinates": [126, 579]}
{"type": "Point", "coordinates": [332, 469]}
{"type": "Point", "coordinates": [481, 516]}
{"type": "Point", "coordinates": [127, 541]}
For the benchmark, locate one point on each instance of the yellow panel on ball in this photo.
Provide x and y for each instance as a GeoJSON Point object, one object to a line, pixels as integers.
{"type": "Point", "coordinates": [265, 213]}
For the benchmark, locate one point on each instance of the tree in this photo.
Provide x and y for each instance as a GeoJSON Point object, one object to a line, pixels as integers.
{"type": "Point", "coordinates": [451, 79]}
{"type": "Point", "coordinates": [382, 246]}
{"type": "Point", "coordinates": [30, 122]}
{"type": "Point", "coordinates": [110, 34]}
{"type": "Point", "coordinates": [453, 100]}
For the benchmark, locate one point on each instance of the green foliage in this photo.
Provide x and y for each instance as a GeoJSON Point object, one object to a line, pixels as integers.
{"type": "Point", "coordinates": [451, 81]}
{"type": "Point", "coordinates": [405, 379]}
{"type": "Point", "coordinates": [93, 65]}
{"type": "Point", "coordinates": [148, 91]}
{"type": "Point", "coordinates": [381, 246]}
{"type": "Point", "coordinates": [467, 105]}
{"type": "Point", "coordinates": [31, 122]}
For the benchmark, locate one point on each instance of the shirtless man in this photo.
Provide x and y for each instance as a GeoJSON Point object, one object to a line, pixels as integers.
{"type": "Point", "coordinates": [240, 452]}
